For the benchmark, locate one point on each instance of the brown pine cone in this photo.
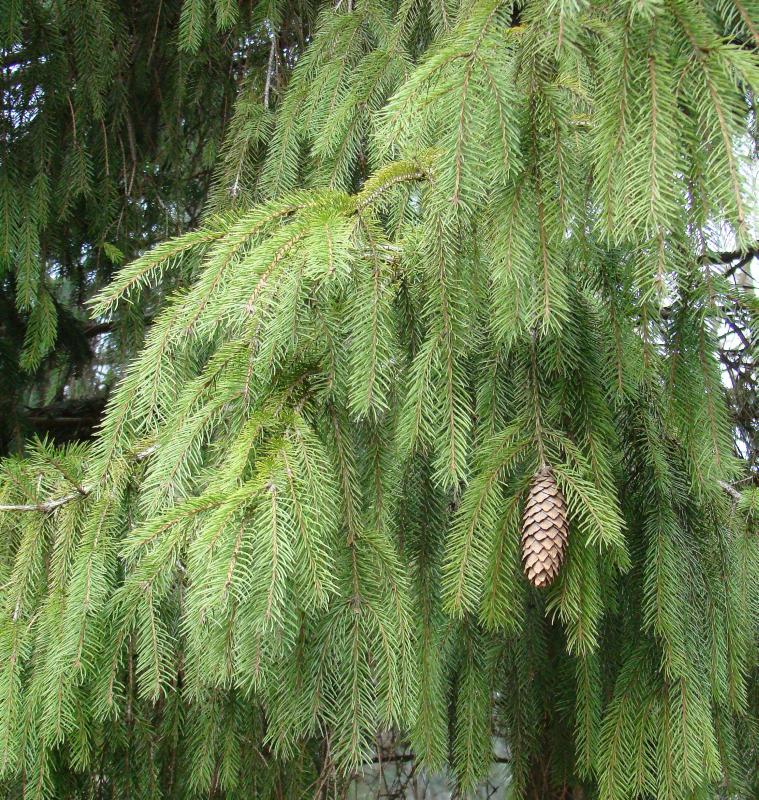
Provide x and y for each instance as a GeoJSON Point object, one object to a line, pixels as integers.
{"type": "Point", "coordinates": [544, 530]}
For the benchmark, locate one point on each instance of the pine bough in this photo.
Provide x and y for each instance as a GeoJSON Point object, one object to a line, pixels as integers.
{"type": "Point", "coordinates": [299, 525]}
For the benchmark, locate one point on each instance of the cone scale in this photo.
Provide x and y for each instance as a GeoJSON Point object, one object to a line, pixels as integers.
{"type": "Point", "coordinates": [544, 530]}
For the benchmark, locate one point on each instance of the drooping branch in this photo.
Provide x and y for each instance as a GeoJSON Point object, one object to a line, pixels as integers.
{"type": "Point", "coordinates": [48, 506]}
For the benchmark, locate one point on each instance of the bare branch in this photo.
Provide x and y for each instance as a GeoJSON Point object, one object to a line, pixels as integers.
{"type": "Point", "coordinates": [729, 256]}
{"type": "Point", "coordinates": [731, 490]}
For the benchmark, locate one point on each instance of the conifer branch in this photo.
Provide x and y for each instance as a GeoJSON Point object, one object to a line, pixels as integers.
{"type": "Point", "coordinates": [731, 490]}
{"type": "Point", "coordinates": [423, 290]}
{"type": "Point", "coordinates": [48, 506]}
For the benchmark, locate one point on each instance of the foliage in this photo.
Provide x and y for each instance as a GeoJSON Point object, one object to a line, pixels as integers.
{"type": "Point", "coordinates": [477, 242]}
{"type": "Point", "coordinates": [110, 141]}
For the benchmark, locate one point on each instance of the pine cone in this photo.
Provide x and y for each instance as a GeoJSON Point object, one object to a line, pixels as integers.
{"type": "Point", "coordinates": [544, 530]}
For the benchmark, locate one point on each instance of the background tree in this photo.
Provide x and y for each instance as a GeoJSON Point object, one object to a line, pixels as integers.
{"type": "Point", "coordinates": [110, 141]}
{"type": "Point", "coordinates": [458, 283]}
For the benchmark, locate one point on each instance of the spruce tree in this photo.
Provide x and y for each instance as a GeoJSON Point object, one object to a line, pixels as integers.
{"type": "Point", "coordinates": [460, 311]}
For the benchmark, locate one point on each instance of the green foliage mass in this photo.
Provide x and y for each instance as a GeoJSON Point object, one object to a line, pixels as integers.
{"type": "Point", "coordinates": [477, 240]}
{"type": "Point", "coordinates": [110, 141]}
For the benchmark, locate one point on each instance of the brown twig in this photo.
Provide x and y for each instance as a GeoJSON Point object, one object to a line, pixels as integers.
{"type": "Point", "coordinates": [48, 506]}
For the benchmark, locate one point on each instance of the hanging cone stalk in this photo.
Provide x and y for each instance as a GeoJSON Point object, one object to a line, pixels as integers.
{"type": "Point", "coordinates": [544, 530]}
